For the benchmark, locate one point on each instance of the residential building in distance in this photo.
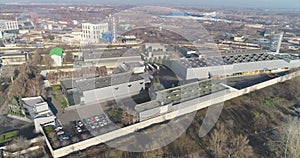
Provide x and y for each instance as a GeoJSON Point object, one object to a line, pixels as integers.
{"type": "Point", "coordinates": [72, 38]}
{"type": "Point", "coordinates": [8, 26]}
{"type": "Point", "coordinates": [156, 47]}
{"type": "Point", "coordinates": [238, 38]}
{"type": "Point", "coordinates": [38, 110]}
{"type": "Point", "coordinates": [25, 22]}
{"type": "Point", "coordinates": [131, 39]}
{"type": "Point", "coordinates": [13, 57]}
{"type": "Point", "coordinates": [92, 33]}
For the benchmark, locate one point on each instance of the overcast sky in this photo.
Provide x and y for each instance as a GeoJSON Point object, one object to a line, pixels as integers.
{"type": "Point", "coordinates": [217, 3]}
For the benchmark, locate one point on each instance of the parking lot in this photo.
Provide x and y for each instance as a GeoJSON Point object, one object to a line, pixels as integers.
{"type": "Point", "coordinates": [93, 123]}
{"type": "Point", "coordinates": [78, 130]}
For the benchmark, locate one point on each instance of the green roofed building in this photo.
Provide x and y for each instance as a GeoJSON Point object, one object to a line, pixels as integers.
{"type": "Point", "coordinates": [56, 54]}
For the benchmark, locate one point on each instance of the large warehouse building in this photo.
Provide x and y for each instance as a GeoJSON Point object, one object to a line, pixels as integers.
{"type": "Point", "coordinates": [98, 89]}
{"type": "Point", "coordinates": [205, 67]}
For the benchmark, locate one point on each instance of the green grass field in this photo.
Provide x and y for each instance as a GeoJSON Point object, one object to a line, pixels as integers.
{"type": "Point", "coordinates": [9, 136]}
{"type": "Point", "coordinates": [57, 94]}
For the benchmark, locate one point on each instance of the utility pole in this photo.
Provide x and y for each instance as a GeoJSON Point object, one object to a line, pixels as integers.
{"type": "Point", "coordinates": [114, 30]}
{"type": "Point", "coordinates": [279, 42]}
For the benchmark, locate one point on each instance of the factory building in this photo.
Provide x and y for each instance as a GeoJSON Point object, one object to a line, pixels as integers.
{"type": "Point", "coordinates": [206, 67]}
{"type": "Point", "coordinates": [97, 89]}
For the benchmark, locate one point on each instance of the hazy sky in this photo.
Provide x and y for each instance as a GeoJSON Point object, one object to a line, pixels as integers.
{"type": "Point", "coordinates": [218, 3]}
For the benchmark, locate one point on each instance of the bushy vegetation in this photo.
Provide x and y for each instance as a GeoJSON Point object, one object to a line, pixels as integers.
{"type": "Point", "coordinates": [52, 137]}
{"type": "Point", "coordinates": [121, 116]}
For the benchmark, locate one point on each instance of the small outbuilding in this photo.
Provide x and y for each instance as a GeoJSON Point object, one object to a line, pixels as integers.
{"type": "Point", "coordinates": [56, 54]}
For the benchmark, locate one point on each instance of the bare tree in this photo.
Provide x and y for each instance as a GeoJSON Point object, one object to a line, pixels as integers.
{"type": "Point", "coordinates": [224, 143]}
{"type": "Point", "coordinates": [218, 141]}
{"type": "Point", "coordinates": [287, 143]}
{"type": "Point", "coordinates": [153, 154]}
{"type": "Point", "coordinates": [69, 58]}
{"type": "Point", "coordinates": [48, 61]}
{"type": "Point", "coordinates": [18, 87]}
{"type": "Point", "coordinates": [19, 143]}
{"type": "Point", "coordinates": [260, 122]}
{"type": "Point", "coordinates": [35, 87]}
{"type": "Point", "coordinates": [37, 58]}
{"type": "Point", "coordinates": [240, 147]}
{"type": "Point", "coordinates": [27, 83]}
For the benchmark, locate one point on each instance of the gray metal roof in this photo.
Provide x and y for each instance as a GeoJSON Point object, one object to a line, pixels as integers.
{"type": "Point", "coordinates": [68, 83]}
{"type": "Point", "coordinates": [237, 59]}
{"type": "Point", "coordinates": [202, 62]}
{"type": "Point", "coordinates": [101, 82]}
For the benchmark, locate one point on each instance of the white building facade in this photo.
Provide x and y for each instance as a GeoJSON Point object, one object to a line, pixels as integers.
{"type": "Point", "coordinates": [39, 111]}
{"type": "Point", "coordinates": [72, 38]}
{"type": "Point", "coordinates": [57, 60]}
{"type": "Point", "coordinates": [92, 33]}
{"type": "Point", "coordinates": [8, 25]}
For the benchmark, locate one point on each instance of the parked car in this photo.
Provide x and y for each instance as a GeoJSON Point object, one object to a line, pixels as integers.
{"type": "Point", "coordinates": [101, 124]}
{"type": "Point", "coordinates": [105, 122]}
{"type": "Point", "coordinates": [79, 130]}
{"type": "Point", "coordinates": [63, 137]}
{"type": "Point", "coordinates": [60, 132]}
{"type": "Point", "coordinates": [58, 128]}
{"type": "Point", "coordinates": [80, 124]}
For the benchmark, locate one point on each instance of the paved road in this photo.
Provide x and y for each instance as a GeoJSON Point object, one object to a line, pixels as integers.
{"type": "Point", "coordinates": [62, 115]}
{"type": "Point", "coordinates": [66, 116]}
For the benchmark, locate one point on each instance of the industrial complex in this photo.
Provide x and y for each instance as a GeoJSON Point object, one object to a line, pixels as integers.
{"type": "Point", "coordinates": [102, 81]}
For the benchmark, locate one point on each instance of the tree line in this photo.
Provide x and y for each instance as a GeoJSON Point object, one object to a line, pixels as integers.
{"type": "Point", "coordinates": [26, 81]}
